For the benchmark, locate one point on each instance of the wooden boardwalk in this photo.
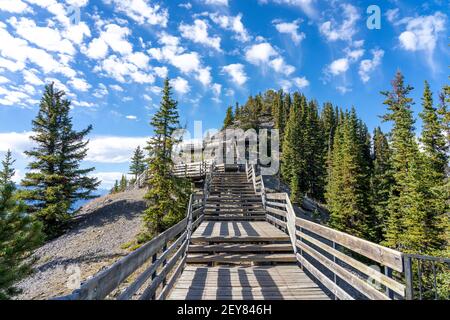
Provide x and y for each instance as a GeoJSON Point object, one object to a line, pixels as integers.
{"type": "Point", "coordinates": [246, 283]}
{"type": "Point", "coordinates": [234, 254]}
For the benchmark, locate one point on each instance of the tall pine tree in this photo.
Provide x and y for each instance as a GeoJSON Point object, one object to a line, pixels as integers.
{"type": "Point", "coordinates": [138, 165]}
{"type": "Point", "coordinates": [167, 195]}
{"type": "Point", "coordinates": [381, 182]}
{"type": "Point", "coordinates": [347, 197]}
{"type": "Point", "coordinates": [413, 225]}
{"type": "Point", "coordinates": [229, 118]}
{"type": "Point", "coordinates": [56, 180]}
{"type": "Point", "coordinates": [20, 233]}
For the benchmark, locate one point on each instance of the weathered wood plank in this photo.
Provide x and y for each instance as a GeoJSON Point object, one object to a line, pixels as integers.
{"type": "Point", "coordinates": [334, 288]}
{"type": "Point", "coordinates": [143, 277]}
{"type": "Point", "coordinates": [356, 282]}
{"type": "Point", "coordinates": [374, 274]}
{"type": "Point", "coordinates": [156, 282]}
{"type": "Point", "coordinates": [107, 280]}
{"type": "Point", "coordinates": [276, 196]}
{"type": "Point", "coordinates": [383, 255]}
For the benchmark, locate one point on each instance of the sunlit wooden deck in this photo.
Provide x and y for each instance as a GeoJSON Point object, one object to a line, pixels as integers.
{"type": "Point", "coordinates": [246, 283]}
{"type": "Point", "coordinates": [237, 231]}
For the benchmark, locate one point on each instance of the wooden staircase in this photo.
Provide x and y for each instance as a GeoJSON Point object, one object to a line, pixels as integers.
{"type": "Point", "coordinates": [235, 231]}
{"type": "Point", "coordinates": [236, 254]}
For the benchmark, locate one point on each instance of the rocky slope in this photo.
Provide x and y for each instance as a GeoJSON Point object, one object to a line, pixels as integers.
{"type": "Point", "coordinates": [93, 242]}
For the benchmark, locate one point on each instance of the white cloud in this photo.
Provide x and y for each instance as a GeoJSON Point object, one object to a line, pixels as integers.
{"type": "Point", "coordinates": [343, 89]}
{"type": "Point", "coordinates": [17, 53]}
{"type": "Point", "coordinates": [367, 66]}
{"type": "Point", "coordinates": [141, 11]}
{"type": "Point", "coordinates": [114, 37]}
{"type": "Point", "coordinates": [198, 33]}
{"type": "Point", "coordinates": [186, 5]}
{"type": "Point", "coordinates": [297, 82]}
{"type": "Point", "coordinates": [101, 91]}
{"type": "Point", "coordinates": [260, 53]}
{"type": "Point", "coordinates": [392, 15]}
{"type": "Point", "coordinates": [217, 2]}
{"type": "Point", "coordinates": [161, 72]}
{"type": "Point", "coordinates": [204, 76]}
{"type": "Point", "coordinates": [422, 32]}
{"type": "Point", "coordinates": [236, 72]}
{"type": "Point", "coordinates": [280, 66]}
{"type": "Point", "coordinates": [305, 5]}
{"type": "Point", "coordinates": [345, 29]}
{"type": "Point", "coordinates": [291, 28]}
{"type": "Point", "coordinates": [122, 70]}
{"type": "Point", "coordinates": [113, 149]}
{"type": "Point", "coordinates": [231, 23]}
{"type": "Point", "coordinates": [339, 66]}
{"type": "Point", "coordinates": [131, 117]}
{"type": "Point", "coordinates": [79, 84]}
{"type": "Point", "coordinates": [186, 62]}
{"type": "Point", "coordinates": [83, 104]}
{"type": "Point", "coordinates": [180, 85]}
{"type": "Point", "coordinates": [108, 179]}
{"type": "Point", "coordinates": [263, 54]}
{"type": "Point", "coordinates": [17, 142]}
{"type": "Point", "coordinates": [14, 6]}
{"type": "Point", "coordinates": [3, 80]}
{"type": "Point", "coordinates": [47, 38]}
{"type": "Point", "coordinates": [116, 87]}
{"type": "Point", "coordinates": [31, 78]}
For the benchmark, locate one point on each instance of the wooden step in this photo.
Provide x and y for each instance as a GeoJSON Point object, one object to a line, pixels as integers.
{"type": "Point", "coordinates": [240, 258]}
{"type": "Point", "coordinates": [235, 218]}
{"type": "Point", "coordinates": [236, 212]}
{"type": "Point", "coordinates": [236, 205]}
{"type": "Point", "coordinates": [276, 247]}
{"type": "Point", "coordinates": [238, 239]}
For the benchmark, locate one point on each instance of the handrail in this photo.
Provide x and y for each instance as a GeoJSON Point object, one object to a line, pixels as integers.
{"type": "Point", "coordinates": [161, 259]}
{"type": "Point", "coordinates": [424, 273]}
{"type": "Point", "coordinates": [321, 250]}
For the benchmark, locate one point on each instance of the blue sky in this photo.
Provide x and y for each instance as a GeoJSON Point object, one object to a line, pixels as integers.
{"type": "Point", "coordinates": [112, 61]}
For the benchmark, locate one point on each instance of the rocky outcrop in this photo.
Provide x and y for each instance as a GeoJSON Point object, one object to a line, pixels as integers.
{"type": "Point", "coordinates": [93, 242]}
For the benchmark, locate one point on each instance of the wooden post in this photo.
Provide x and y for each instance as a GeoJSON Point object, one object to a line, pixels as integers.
{"type": "Point", "coordinates": [164, 282]}
{"type": "Point", "coordinates": [388, 273]}
{"type": "Point", "coordinates": [409, 290]}
{"type": "Point", "coordinates": [154, 258]}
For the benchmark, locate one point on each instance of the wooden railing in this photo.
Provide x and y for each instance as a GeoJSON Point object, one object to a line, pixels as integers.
{"type": "Point", "coordinates": [421, 274]}
{"type": "Point", "coordinates": [191, 170]}
{"type": "Point", "coordinates": [188, 170]}
{"type": "Point", "coordinates": [349, 267]}
{"type": "Point", "coordinates": [144, 273]}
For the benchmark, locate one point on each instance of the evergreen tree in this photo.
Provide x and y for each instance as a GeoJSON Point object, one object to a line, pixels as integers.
{"type": "Point", "coordinates": [115, 188]}
{"type": "Point", "coordinates": [123, 183]}
{"type": "Point", "coordinates": [433, 138]}
{"type": "Point", "coordinates": [56, 180]}
{"type": "Point", "coordinates": [229, 118]}
{"type": "Point", "coordinates": [292, 166]}
{"type": "Point", "coordinates": [20, 233]}
{"type": "Point", "coordinates": [381, 183]}
{"type": "Point", "coordinates": [346, 195]}
{"type": "Point", "coordinates": [137, 166]}
{"type": "Point", "coordinates": [167, 195]}
{"type": "Point", "coordinates": [328, 122]}
{"type": "Point", "coordinates": [413, 224]}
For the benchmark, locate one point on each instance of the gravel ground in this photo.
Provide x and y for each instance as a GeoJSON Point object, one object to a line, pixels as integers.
{"type": "Point", "coordinates": [92, 243]}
